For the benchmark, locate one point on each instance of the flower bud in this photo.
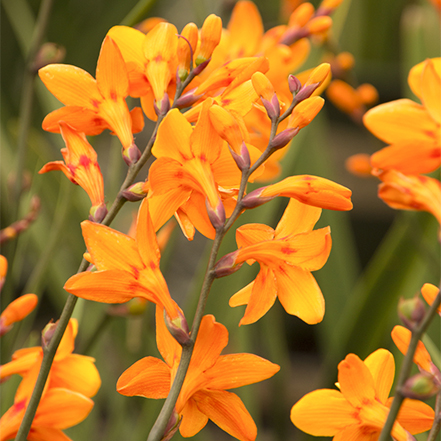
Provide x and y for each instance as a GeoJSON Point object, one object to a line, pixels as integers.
{"type": "Point", "coordinates": [368, 94]}
{"type": "Point", "coordinates": [187, 99]}
{"type": "Point", "coordinates": [359, 165]}
{"type": "Point", "coordinates": [131, 155]}
{"type": "Point", "coordinates": [135, 192]}
{"type": "Point", "coordinates": [242, 160]}
{"type": "Point", "coordinates": [227, 265]}
{"type": "Point", "coordinates": [253, 199]}
{"type": "Point", "coordinates": [211, 33]}
{"type": "Point", "coordinates": [319, 25]}
{"type": "Point", "coordinates": [47, 54]}
{"type": "Point", "coordinates": [327, 7]}
{"type": "Point", "coordinates": [172, 426]}
{"type": "Point", "coordinates": [178, 328]}
{"type": "Point", "coordinates": [411, 311]}
{"type": "Point", "coordinates": [216, 215]}
{"type": "Point", "coordinates": [305, 92]}
{"type": "Point", "coordinates": [163, 106]}
{"type": "Point", "coordinates": [421, 386]}
{"type": "Point", "coordinates": [186, 46]}
{"type": "Point", "coordinates": [301, 15]}
{"type": "Point", "coordinates": [305, 112]}
{"type": "Point", "coordinates": [47, 334]}
{"type": "Point", "coordinates": [16, 311]}
{"type": "Point", "coordinates": [294, 84]}
{"type": "Point", "coordinates": [283, 138]}
{"type": "Point", "coordinates": [98, 213]}
{"type": "Point", "coordinates": [263, 87]}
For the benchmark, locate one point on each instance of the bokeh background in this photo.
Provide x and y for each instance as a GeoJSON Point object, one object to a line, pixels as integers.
{"type": "Point", "coordinates": [378, 254]}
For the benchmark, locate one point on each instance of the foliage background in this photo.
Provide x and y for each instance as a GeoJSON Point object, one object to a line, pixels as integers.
{"type": "Point", "coordinates": [378, 254]}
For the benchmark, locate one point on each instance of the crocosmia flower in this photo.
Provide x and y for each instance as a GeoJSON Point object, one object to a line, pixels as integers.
{"type": "Point", "coordinates": [16, 311]}
{"type": "Point", "coordinates": [286, 255]}
{"type": "Point", "coordinates": [358, 410]}
{"type": "Point", "coordinates": [204, 393]}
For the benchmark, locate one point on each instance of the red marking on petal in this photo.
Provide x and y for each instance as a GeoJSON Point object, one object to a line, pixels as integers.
{"type": "Point", "coordinates": [113, 96]}
{"type": "Point", "coordinates": [84, 161]}
{"type": "Point", "coordinates": [95, 103]}
{"type": "Point", "coordinates": [153, 265]}
{"type": "Point", "coordinates": [288, 250]}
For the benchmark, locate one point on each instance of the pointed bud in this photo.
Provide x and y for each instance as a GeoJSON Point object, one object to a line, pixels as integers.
{"type": "Point", "coordinates": [294, 84]}
{"type": "Point", "coordinates": [421, 386]}
{"type": "Point", "coordinates": [16, 311]}
{"type": "Point", "coordinates": [305, 92]}
{"type": "Point", "coordinates": [172, 426]}
{"type": "Point", "coordinates": [211, 33]}
{"type": "Point", "coordinates": [178, 328]}
{"type": "Point", "coordinates": [243, 159]}
{"type": "Point", "coordinates": [319, 25]}
{"type": "Point", "coordinates": [283, 138]}
{"type": "Point", "coordinates": [186, 100]}
{"type": "Point", "coordinates": [47, 334]}
{"type": "Point", "coordinates": [263, 87]}
{"type": "Point", "coordinates": [135, 192]}
{"type": "Point", "coordinates": [163, 106]}
{"type": "Point", "coordinates": [301, 15]}
{"type": "Point", "coordinates": [216, 215]}
{"type": "Point", "coordinates": [411, 311]}
{"type": "Point", "coordinates": [47, 54]}
{"type": "Point", "coordinates": [186, 46]}
{"type": "Point", "coordinates": [327, 7]}
{"type": "Point", "coordinates": [305, 112]}
{"type": "Point", "coordinates": [227, 265]}
{"type": "Point", "coordinates": [98, 213]}
{"type": "Point", "coordinates": [253, 199]}
{"type": "Point", "coordinates": [131, 155]}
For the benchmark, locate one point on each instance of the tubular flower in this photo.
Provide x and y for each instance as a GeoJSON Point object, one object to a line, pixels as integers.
{"type": "Point", "coordinates": [93, 105]}
{"type": "Point", "coordinates": [286, 255]}
{"type": "Point", "coordinates": [16, 311]}
{"type": "Point", "coordinates": [407, 192]}
{"type": "Point", "coordinates": [429, 293]}
{"type": "Point", "coordinates": [82, 168]}
{"type": "Point", "coordinates": [192, 170]}
{"type": "Point", "coordinates": [412, 130]}
{"type": "Point", "coordinates": [204, 393]}
{"type": "Point", "coordinates": [127, 267]}
{"type": "Point", "coordinates": [401, 337]}
{"type": "Point", "coordinates": [59, 409]}
{"type": "Point", "coordinates": [70, 371]}
{"type": "Point", "coordinates": [359, 409]}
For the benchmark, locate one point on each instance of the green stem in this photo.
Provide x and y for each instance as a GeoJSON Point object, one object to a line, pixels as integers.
{"type": "Point", "coordinates": [417, 333]}
{"type": "Point", "coordinates": [138, 12]}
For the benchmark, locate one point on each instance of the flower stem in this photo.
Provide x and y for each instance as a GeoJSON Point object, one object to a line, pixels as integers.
{"type": "Point", "coordinates": [406, 367]}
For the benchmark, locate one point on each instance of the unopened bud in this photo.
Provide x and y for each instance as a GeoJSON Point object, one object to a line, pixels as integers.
{"type": "Point", "coordinates": [135, 192]}
{"type": "Point", "coordinates": [216, 215]}
{"type": "Point", "coordinates": [211, 33]}
{"type": "Point", "coordinates": [283, 138]}
{"type": "Point", "coordinates": [305, 92]}
{"type": "Point", "coordinates": [411, 311]}
{"type": "Point", "coordinates": [294, 84]}
{"type": "Point", "coordinates": [187, 99]}
{"type": "Point", "coordinates": [172, 426]}
{"type": "Point", "coordinates": [319, 25]}
{"type": "Point", "coordinates": [163, 106]}
{"type": "Point", "coordinates": [421, 386]}
{"type": "Point", "coordinates": [178, 328]}
{"type": "Point", "coordinates": [305, 112]}
{"type": "Point", "coordinates": [131, 155]}
{"type": "Point", "coordinates": [327, 7]}
{"type": "Point", "coordinates": [47, 54]}
{"type": "Point", "coordinates": [242, 160]}
{"type": "Point", "coordinates": [253, 199]}
{"type": "Point", "coordinates": [227, 265]}
{"type": "Point", "coordinates": [47, 334]}
{"type": "Point", "coordinates": [98, 213]}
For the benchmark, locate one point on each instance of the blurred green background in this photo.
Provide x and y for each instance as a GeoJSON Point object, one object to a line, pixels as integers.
{"type": "Point", "coordinates": [378, 254]}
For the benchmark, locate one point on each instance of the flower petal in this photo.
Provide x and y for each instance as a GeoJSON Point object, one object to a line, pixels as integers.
{"type": "Point", "coordinates": [242, 297]}
{"type": "Point", "coordinates": [45, 433]}
{"type": "Point", "coordinates": [236, 370]}
{"type": "Point", "coordinates": [193, 420]}
{"type": "Point", "coordinates": [145, 237]}
{"type": "Point", "coordinates": [431, 90]}
{"type": "Point", "coordinates": [327, 406]}
{"type": "Point", "coordinates": [168, 347]}
{"type": "Point", "coordinates": [381, 365]}
{"type": "Point", "coordinates": [415, 416]}
{"type": "Point", "coordinates": [130, 42]}
{"type": "Point", "coordinates": [148, 377]}
{"type": "Point", "coordinates": [300, 294]}
{"type": "Point", "coordinates": [227, 411]}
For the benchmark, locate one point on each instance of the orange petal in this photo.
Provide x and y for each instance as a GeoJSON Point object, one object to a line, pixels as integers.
{"type": "Point", "coordinates": [297, 218]}
{"type": "Point", "coordinates": [196, 212]}
{"type": "Point", "coordinates": [168, 175]}
{"type": "Point", "coordinates": [168, 347]}
{"type": "Point", "coordinates": [429, 293]}
{"type": "Point", "coordinates": [77, 373]}
{"type": "Point", "coordinates": [381, 365]}
{"type": "Point", "coordinates": [21, 363]}
{"type": "Point", "coordinates": [251, 234]}
{"type": "Point", "coordinates": [227, 411]}
{"type": "Point", "coordinates": [400, 121]}
{"type": "Point", "coordinates": [299, 294]}
{"type": "Point", "coordinates": [356, 382]}
{"type": "Point", "coordinates": [67, 343]}
{"type": "Point", "coordinates": [236, 370]}
{"type": "Point", "coordinates": [401, 337]}
{"type": "Point", "coordinates": [130, 42]}
{"type": "Point", "coordinates": [45, 433]}
{"type": "Point", "coordinates": [62, 408]}
{"type": "Point", "coordinates": [145, 236]}
{"type": "Point", "coordinates": [431, 90]}
{"type": "Point", "coordinates": [327, 406]}
{"type": "Point", "coordinates": [111, 249]}
{"type": "Point", "coordinates": [312, 190]}
{"type": "Point", "coordinates": [193, 420]}
{"type": "Point", "coordinates": [242, 297]}
{"type": "Point", "coordinates": [71, 85]}
{"type": "Point", "coordinates": [263, 296]}
{"type": "Point", "coordinates": [148, 377]}
{"type": "Point", "coordinates": [18, 309]}
{"type": "Point", "coordinates": [415, 416]}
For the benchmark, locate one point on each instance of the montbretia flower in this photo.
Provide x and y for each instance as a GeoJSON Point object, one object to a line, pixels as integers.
{"type": "Point", "coordinates": [16, 311]}
{"type": "Point", "coordinates": [286, 255]}
{"type": "Point", "coordinates": [94, 105]}
{"type": "Point", "coordinates": [81, 167]}
{"type": "Point", "coordinates": [71, 371]}
{"type": "Point", "coordinates": [412, 130]}
{"type": "Point", "coordinates": [126, 267]}
{"type": "Point", "coordinates": [358, 410]}
{"type": "Point", "coordinates": [204, 393]}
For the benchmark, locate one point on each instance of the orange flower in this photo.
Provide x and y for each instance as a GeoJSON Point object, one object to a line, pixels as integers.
{"type": "Point", "coordinates": [17, 311]}
{"type": "Point", "coordinates": [193, 170]}
{"type": "Point", "coordinates": [126, 267]}
{"type": "Point", "coordinates": [429, 293]}
{"type": "Point", "coordinates": [71, 371]}
{"type": "Point", "coordinates": [286, 255]}
{"type": "Point", "coordinates": [58, 409]}
{"type": "Point", "coordinates": [94, 105]}
{"type": "Point", "coordinates": [359, 409]}
{"type": "Point", "coordinates": [401, 337]}
{"type": "Point", "coordinates": [204, 393]}
{"type": "Point", "coordinates": [412, 130]}
{"type": "Point", "coordinates": [82, 168]}
{"type": "Point", "coordinates": [410, 192]}
{"type": "Point", "coordinates": [3, 270]}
